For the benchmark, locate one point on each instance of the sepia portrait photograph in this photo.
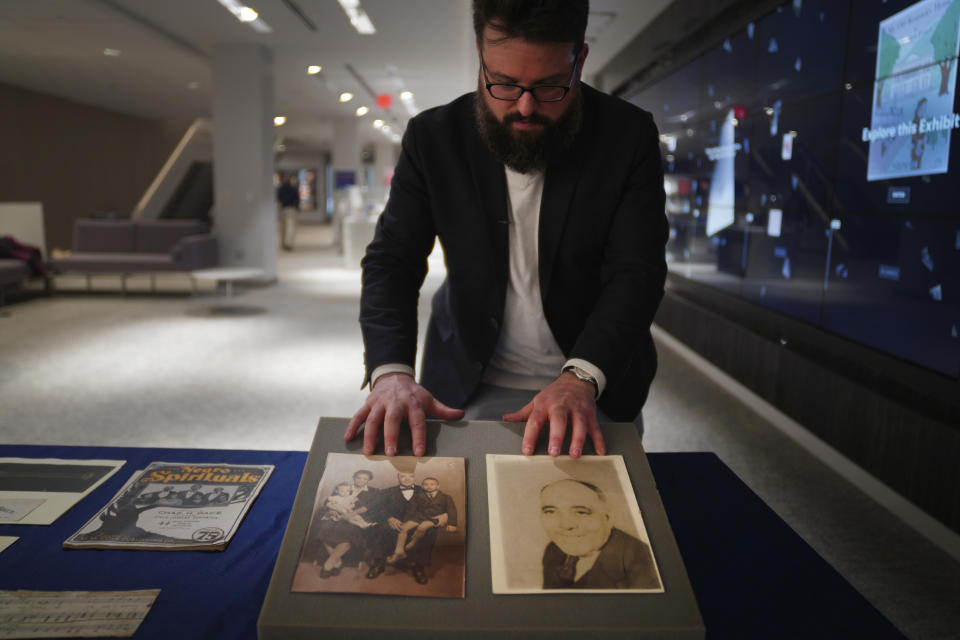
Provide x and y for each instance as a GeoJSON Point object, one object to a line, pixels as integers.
{"type": "Point", "coordinates": [559, 524]}
{"type": "Point", "coordinates": [386, 525]}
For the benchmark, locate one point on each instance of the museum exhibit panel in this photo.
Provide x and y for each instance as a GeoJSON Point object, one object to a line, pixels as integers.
{"type": "Point", "coordinates": [811, 158]}
{"type": "Point", "coordinates": [781, 192]}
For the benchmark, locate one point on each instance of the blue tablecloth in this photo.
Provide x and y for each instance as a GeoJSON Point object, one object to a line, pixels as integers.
{"type": "Point", "coordinates": [204, 594]}
{"type": "Point", "coordinates": [752, 575]}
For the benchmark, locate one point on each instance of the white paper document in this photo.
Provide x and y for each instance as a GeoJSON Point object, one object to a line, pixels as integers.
{"type": "Point", "coordinates": [73, 614]}
{"type": "Point", "coordinates": [6, 541]}
{"type": "Point", "coordinates": [40, 490]}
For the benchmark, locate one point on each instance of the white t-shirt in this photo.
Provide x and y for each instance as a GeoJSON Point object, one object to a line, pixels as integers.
{"type": "Point", "coordinates": [527, 355]}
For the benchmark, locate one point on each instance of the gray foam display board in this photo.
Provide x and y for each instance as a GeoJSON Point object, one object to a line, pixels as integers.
{"type": "Point", "coordinates": [672, 614]}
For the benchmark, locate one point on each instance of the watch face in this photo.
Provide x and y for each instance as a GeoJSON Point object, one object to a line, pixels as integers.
{"type": "Point", "coordinates": [583, 375]}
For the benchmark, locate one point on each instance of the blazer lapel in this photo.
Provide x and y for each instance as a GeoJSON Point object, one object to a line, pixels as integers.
{"type": "Point", "coordinates": [559, 185]}
{"type": "Point", "coordinates": [490, 185]}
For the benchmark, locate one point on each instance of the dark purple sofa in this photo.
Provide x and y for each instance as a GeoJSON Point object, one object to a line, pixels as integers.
{"type": "Point", "coordinates": [12, 273]}
{"type": "Point", "coordinates": [127, 247]}
{"type": "Point", "coordinates": [16, 267]}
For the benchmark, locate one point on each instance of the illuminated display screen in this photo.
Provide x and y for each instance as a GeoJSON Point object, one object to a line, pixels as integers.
{"type": "Point", "coordinates": [811, 167]}
{"type": "Point", "coordinates": [913, 92]}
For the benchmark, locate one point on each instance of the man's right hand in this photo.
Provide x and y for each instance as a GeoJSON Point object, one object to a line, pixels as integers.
{"type": "Point", "coordinates": [395, 397]}
{"type": "Point", "coordinates": [394, 523]}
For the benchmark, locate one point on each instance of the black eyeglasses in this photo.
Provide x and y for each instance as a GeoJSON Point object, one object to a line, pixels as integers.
{"type": "Point", "coordinates": [540, 93]}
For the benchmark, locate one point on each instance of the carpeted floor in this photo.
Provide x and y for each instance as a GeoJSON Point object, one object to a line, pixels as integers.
{"type": "Point", "coordinates": [153, 369]}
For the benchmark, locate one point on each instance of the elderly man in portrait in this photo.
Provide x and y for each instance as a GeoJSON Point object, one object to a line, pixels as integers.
{"type": "Point", "coordinates": [586, 551]}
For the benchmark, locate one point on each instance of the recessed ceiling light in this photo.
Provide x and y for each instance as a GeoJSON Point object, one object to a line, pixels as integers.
{"type": "Point", "coordinates": [406, 97]}
{"type": "Point", "coordinates": [362, 111]}
{"type": "Point", "coordinates": [279, 121]}
{"type": "Point", "coordinates": [346, 96]}
{"type": "Point", "coordinates": [378, 123]}
{"type": "Point", "coordinates": [247, 15]}
{"type": "Point", "coordinates": [113, 53]}
{"type": "Point", "coordinates": [358, 17]}
{"type": "Point", "coordinates": [396, 137]}
{"type": "Point", "coordinates": [314, 69]}
{"type": "Point", "coordinates": [193, 85]}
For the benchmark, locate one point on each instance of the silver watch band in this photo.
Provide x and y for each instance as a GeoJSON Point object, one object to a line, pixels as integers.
{"type": "Point", "coordinates": [585, 376]}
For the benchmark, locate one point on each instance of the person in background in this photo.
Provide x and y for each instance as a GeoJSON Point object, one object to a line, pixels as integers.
{"type": "Point", "coordinates": [288, 199]}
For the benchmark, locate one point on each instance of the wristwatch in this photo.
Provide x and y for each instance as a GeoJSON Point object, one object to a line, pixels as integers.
{"type": "Point", "coordinates": [583, 375]}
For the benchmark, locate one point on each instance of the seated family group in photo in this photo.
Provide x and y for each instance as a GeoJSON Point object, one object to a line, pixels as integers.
{"type": "Point", "coordinates": [359, 524]}
{"type": "Point", "coordinates": [195, 496]}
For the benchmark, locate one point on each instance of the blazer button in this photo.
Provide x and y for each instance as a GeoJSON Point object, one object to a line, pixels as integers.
{"type": "Point", "coordinates": [494, 324]}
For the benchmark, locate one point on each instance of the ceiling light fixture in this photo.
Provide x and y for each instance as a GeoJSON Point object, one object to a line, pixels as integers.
{"type": "Point", "coordinates": [377, 123]}
{"type": "Point", "coordinates": [362, 111]}
{"type": "Point", "coordinates": [406, 97]}
{"type": "Point", "coordinates": [193, 85]}
{"type": "Point", "coordinates": [314, 69]}
{"type": "Point", "coordinates": [246, 15]}
{"type": "Point", "coordinates": [346, 96]}
{"type": "Point", "coordinates": [358, 17]}
{"type": "Point", "coordinates": [279, 121]}
{"type": "Point", "coordinates": [113, 53]}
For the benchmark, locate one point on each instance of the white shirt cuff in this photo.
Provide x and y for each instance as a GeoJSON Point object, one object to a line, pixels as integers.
{"type": "Point", "coordinates": [390, 368]}
{"type": "Point", "coordinates": [589, 368]}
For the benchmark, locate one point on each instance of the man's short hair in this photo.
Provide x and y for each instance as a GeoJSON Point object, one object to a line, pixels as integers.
{"type": "Point", "coordinates": [597, 490]}
{"type": "Point", "coordinates": [534, 20]}
{"type": "Point", "coordinates": [369, 474]}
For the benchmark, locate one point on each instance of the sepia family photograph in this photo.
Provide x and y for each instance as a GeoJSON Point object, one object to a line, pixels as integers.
{"type": "Point", "coordinates": [567, 525]}
{"type": "Point", "coordinates": [388, 526]}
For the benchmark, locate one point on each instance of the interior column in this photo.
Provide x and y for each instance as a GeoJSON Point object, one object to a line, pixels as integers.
{"type": "Point", "coordinates": [244, 201]}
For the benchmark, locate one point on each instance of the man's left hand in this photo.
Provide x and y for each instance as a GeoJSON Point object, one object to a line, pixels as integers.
{"type": "Point", "coordinates": [565, 399]}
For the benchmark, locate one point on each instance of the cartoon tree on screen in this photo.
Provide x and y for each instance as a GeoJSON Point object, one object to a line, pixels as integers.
{"type": "Point", "coordinates": [886, 58]}
{"type": "Point", "coordinates": [944, 41]}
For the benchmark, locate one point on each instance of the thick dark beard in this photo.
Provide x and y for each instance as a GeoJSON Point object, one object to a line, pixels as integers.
{"type": "Point", "coordinates": [524, 151]}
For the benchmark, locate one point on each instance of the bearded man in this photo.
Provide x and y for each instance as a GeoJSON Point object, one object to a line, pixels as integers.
{"type": "Point", "coordinates": [547, 198]}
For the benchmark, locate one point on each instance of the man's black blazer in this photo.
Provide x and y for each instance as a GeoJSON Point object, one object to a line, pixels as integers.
{"type": "Point", "coordinates": [601, 251]}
